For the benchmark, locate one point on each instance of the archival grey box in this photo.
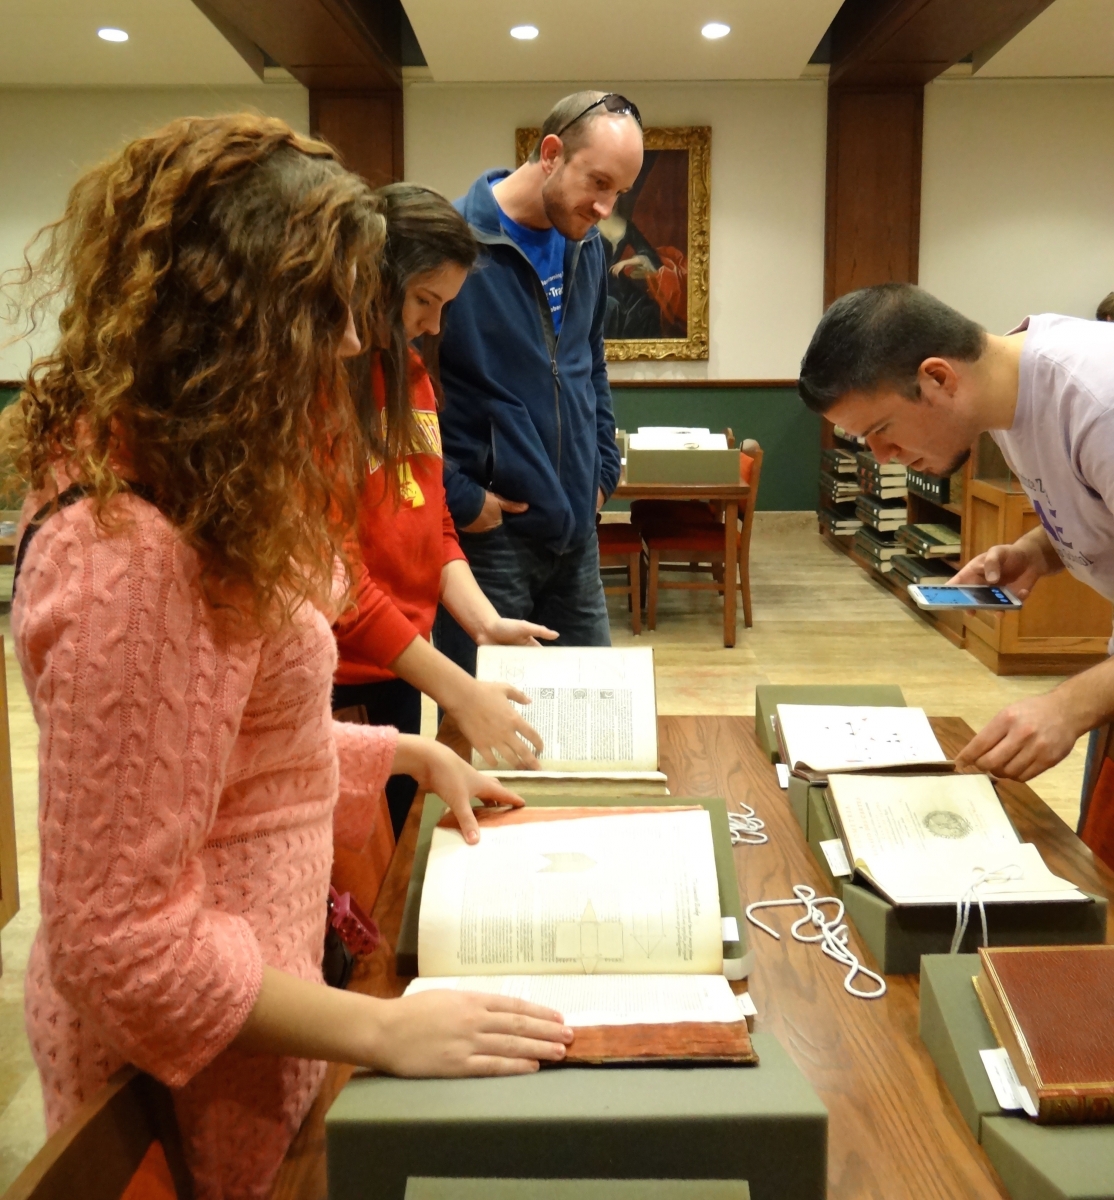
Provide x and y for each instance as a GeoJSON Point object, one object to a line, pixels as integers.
{"type": "Point", "coordinates": [763, 1124]}
{"type": "Point", "coordinates": [577, 1189]}
{"type": "Point", "coordinates": [1035, 1162]}
{"type": "Point", "coordinates": [767, 696]}
{"type": "Point", "coordinates": [709, 467]}
{"type": "Point", "coordinates": [897, 936]}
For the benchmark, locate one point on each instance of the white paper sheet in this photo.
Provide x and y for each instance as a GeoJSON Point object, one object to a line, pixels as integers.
{"type": "Point", "coordinates": [831, 737]}
{"type": "Point", "coordinates": [585, 1000]}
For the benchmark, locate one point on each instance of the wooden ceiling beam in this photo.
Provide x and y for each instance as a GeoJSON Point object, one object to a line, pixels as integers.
{"type": "Point", "coordinates": [901, 43]}
{"type": "Point", "coordinates": [331, 44]}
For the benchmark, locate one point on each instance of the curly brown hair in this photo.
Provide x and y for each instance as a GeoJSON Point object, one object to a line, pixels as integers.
{"type": "Point", "coordinates": [206, 273]}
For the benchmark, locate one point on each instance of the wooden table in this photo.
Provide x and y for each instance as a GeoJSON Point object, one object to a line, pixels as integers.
{"type": "Point", "coordinates": [727, 494]}
{"type": "Point", "coordinates": [894, 1132]}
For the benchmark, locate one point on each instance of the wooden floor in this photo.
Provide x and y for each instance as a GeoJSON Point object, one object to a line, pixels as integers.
{"type": "Point", "coordinates": [817, 617]}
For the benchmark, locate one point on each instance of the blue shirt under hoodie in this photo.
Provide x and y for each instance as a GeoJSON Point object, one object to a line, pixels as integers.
{"type": "Point", "coordinates": [527, 411]}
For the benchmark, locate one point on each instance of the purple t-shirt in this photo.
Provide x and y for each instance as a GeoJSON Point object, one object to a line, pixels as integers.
{"type": "Point", "coordinates": [1061, 443]}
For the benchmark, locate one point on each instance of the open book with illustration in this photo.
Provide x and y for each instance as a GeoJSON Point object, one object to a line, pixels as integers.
{"type": "Point", "coordinates": [596, 711]}
{"type": "Point", "coordinates": [611, 915]}
{"type": "Point", "coordinates": [936, 839]}
{"type": "Point", "coordinates": [818, 739]}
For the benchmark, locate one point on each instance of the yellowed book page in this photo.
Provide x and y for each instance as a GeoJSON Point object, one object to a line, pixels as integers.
{"type": "Point", "coordinates": [594, 707]}
{"type": "Point", "coordinates": [929, 839]}
{"type": "Point", "coordinates": [585, 1000]}
{"type": "Point", "coordinates": [839, 737]}
{"type": "Point", "coordinates": [631, 894]}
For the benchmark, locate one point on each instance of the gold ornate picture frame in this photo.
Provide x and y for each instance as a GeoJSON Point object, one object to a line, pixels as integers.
{"type": "Point", "coordinates": [657, 242]}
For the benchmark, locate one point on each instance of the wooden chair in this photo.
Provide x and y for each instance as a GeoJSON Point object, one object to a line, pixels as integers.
{"type": "Point", "coordinates": [122, 1144]}
{"type": "Point", "coordinates": [693, 542]}
{"type": "Point", "coordinates": [654, 514]}
{"type": "Point", "coordinates": [621, 551]}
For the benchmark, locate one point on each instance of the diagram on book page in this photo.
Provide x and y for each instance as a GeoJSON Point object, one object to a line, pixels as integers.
{"type": "Point", "coordinates": [826, 737]}
{"type": "Point", "coordinates": [593, 706]}
{"type": "Point", "coordinates": [634, 893]}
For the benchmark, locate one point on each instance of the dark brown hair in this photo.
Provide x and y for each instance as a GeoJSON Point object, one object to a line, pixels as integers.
{"type": "Point", "coordinates": [205, 275]}
{"type": "Point", "coordinates": [424, 233]}
{"type": "Point", "coordinates": [1105, 310]}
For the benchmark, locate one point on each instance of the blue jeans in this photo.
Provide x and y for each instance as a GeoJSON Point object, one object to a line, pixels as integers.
{"type": "Point", "coordinates": [527, 582]}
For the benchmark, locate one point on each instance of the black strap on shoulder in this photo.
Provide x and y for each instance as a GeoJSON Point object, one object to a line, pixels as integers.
{"type": "Point", "coordinates": [70, 496]}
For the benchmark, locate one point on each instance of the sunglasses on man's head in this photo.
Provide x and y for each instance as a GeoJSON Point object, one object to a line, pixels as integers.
{"type": "Point", "coordinates": [612, 103]}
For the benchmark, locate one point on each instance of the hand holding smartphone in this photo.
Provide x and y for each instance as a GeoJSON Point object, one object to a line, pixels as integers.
{"type": "Point", "coordinates": [962, 596]}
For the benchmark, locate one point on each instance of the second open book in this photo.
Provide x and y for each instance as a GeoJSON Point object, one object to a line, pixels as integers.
{"type": "Point", "coordinates": [610, 915]}
{"type": "Point", "coordinates": [595, 710]}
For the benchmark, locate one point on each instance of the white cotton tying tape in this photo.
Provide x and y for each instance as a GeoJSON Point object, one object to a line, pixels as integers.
{"type": "Point", "coordinates": [971, 896]}
{"type": "Point", "coordinates": [746, 828]}
{"type": "Point", "coordinates": [832, 935]}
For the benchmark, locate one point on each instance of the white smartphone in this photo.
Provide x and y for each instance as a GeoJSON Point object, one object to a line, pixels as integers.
{"type": "Point", "coordinates": [962, 595]}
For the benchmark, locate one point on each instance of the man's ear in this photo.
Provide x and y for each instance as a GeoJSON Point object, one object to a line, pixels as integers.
{"type": "Point", "coordinates": [937, 379]}
{"type": "Point", "coordinates": [550, 152]}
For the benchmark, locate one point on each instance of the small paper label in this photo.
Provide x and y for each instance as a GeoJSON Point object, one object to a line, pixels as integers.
{"type": "Point", "coordinates": [746, 1004]}
{"type": "Point", "coordinates": [730, 929]}
{"type": "Point", "coordinates": [1008, 1089]}
{"type": "Point", "coordinates": [782, 775]}
{"type": "Point", "coordinates": [837, 858]}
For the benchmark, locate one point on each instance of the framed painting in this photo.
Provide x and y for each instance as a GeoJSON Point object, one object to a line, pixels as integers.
{"type": "Point", "coordinates": [656, 241]}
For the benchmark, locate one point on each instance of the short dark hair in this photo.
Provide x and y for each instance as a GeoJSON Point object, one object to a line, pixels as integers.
{"type": "Point", "coordinates": [564, 112]}
{"type": "Point", "coordinates": [1105, 310]}
{"type": "Point", "coordinates": [878, 337]}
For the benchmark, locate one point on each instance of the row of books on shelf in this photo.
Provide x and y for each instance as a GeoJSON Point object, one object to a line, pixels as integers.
{"type": "Point", "coordinates": [923, 543]}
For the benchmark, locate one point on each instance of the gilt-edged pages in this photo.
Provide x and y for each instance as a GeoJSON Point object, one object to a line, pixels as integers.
{"type": "Point", "coordinates": [595, 709]}
{"type": "Point", "coordinates": [935, 839]}
{"type": "Point", "coordinates": [817, 739]}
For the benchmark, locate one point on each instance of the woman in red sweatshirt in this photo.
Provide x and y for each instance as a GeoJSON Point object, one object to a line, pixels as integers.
{"type": "Point", "coordinates": [411, 559]}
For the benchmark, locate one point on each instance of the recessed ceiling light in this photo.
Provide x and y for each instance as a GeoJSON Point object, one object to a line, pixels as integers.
{"type": "Point", "coordinates": [714, 30]}
{"type": "Point", "coordinates": [525, 33]}
{"type": "Point", "coordinates": [112, 35]}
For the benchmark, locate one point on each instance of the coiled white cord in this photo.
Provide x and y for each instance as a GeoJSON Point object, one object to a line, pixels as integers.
{"type": "Point", "coordinates": [971, 896]}
{"type": "Point", "coordinates": [832, 936]}
{"type": "Point", "coordinates": [746, 828]}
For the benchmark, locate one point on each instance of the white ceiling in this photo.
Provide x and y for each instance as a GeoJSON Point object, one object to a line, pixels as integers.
{"type": "Point", "coordinates": [54, 43]}
{"type": "Point", "coordinates": [589, 40]}
{"type": "Point", "coordinates": [1071, 37]}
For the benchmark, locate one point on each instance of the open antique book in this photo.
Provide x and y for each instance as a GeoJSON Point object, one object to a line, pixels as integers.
{"type": "Point", "coordinates": [817, 739]}
{"type": "Point", "coordinates": [596, 711]}
{"type": "Point", "coordinates": [937, 839]}
{"type": "Point", "coordinates": [566, 906]}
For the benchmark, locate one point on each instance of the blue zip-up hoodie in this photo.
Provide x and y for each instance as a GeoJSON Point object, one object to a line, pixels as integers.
{"type": "Point", "coordinates": [527, 415]}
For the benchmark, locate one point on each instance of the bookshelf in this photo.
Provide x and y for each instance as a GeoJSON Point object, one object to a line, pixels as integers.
{"type": "Point", "coordinates": [1063, 626]}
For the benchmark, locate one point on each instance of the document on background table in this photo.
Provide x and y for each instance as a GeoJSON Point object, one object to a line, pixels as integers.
{"type": "Point", "coordinates": [594, 707]}
{"type": "Point", "coordinates": [573, 892]}
{"type": "Point", "coordinates": [817, 739]}
{"type": "Point", "coordinates": [926, 839]}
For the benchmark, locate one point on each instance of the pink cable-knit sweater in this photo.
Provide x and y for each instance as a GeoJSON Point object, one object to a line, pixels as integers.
{"type": "Point", "coordinates": [190, 788]}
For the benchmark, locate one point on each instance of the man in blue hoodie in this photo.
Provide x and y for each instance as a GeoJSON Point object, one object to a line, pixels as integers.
{"type": "Point", "coordinates": [527, 425]}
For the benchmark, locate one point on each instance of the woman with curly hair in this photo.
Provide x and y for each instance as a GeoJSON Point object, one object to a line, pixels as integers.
{"type": "Point", "coordinates": [409, 559]}
{"type": "Point", "coordinates": [193, 494]}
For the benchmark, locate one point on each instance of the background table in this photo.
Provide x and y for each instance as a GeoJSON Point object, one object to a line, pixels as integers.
{"type": "Point", "coordinates": [727, 494]}
{"type": "Point", "coordinates": [894, 1131]}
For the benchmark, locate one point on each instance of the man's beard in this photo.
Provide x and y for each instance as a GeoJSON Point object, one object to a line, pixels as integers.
{"type": "Point", "coordinates": [564, 219]}
{"type": "Point", "coordinates": [959, 461]}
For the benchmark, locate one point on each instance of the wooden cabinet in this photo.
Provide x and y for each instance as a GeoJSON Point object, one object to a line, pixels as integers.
{"type": "Point", "coordinates": [1062, 627]}
{"type": "Point", "coordinates": [9, 881]}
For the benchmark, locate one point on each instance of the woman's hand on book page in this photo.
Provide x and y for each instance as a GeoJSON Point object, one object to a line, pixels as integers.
{"type": "Point", "coordinates": [1017, 566]}
{"type": "Point", "coordinates": [1024, 739]}
{"type": "Point", "coordinates": [495, 728]}
{"type": "Point", "coordinates": [439, 770]}
{"type": "Point", "coordinates": [502, 631]}
{"type": "Point", "coordinates": [451, 1033]}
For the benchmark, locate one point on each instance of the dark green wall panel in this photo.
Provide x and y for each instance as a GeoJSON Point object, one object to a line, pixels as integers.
{"type": "Point", "coordinates": [775, 417]}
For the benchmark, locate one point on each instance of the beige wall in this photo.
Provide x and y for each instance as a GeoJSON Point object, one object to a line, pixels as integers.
{"type": "Point", "coordinates": [1018, 196]}
{"type": "Point", "coordinates": [767, 198]}
{"type": "Point", "coordinates": [48, 136]}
